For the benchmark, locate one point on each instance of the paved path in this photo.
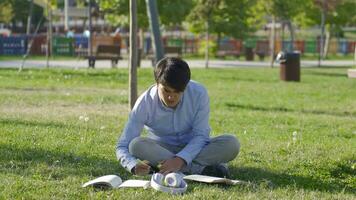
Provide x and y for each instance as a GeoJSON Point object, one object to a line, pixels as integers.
{"type": "Point", "coordinates": [76, 64]}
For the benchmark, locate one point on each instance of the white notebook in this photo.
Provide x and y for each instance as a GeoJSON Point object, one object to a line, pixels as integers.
{"type": "Point", "coordinates": [212, 179]}
{"type": "Point", "coordinates": [114, 181]}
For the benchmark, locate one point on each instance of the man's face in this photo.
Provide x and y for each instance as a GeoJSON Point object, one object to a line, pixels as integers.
{"type": "Point", "coordinates": [169, 96]}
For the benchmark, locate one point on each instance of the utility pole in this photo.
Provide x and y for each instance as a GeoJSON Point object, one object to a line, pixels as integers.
{"type": "Point", "coordinates": [152, 12]}
{"type": "Point", "coordinates": [133, 54]}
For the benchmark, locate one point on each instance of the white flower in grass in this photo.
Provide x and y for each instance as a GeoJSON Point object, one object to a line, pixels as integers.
{"type": "Point", "coordinates": [81, 117]}
{"type": "Point", "coordinates": [295, 136]}
{"type": "Point", "coordinates": [86, 119]}
{"type": "Point", "coordinates": [102, 127]}
{"type": "Point", "coordinates": [245, 132]}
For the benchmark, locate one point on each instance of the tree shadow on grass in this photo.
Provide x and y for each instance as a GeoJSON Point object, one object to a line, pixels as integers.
{"type": "Point", "coordinates": [329, 74]}
{"type": "Point", "coordinates": [34, 123]}
{"type": "Point", "coordinates": [263, 178]}
{"type": "Point", "coordinates": [281, 109]}
{"type": "Point", "coordinates": [57, 164]}
{"type": "Point", "coordinates": [29, 162]}
{"type": "Point", "coordinates": [331, 67]}
{"type": "Point", "coordinates": [44, 74]}
{"type": "Point", "coordinates": [246, 79]}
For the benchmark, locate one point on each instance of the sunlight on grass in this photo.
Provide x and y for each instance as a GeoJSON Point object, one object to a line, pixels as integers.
{"type": "Point", "coordinates": [58, 129]}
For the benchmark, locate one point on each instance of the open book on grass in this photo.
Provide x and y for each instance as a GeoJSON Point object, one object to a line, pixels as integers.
{"type": "Point", "coordinates": [114, 181]}
{"type": "Point", "coordinates": [212, 179]}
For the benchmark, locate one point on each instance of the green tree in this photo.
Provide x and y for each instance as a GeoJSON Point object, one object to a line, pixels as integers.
{"type": "Point", "coordinates": [171, 12]}
{"type": "Point", "coordinates": [226, 17]}
{"type": "Point", "coordinates": [290, 13]}
{"type": "Point", "coordinates": [201, 19]}
{"type": "Point", "coordinates": [286, 12]}
{"type": "Point", "coordinates": [20, 12]}
{"type": "Point", "coordinates": [330, 15]}
{"type": "Point", "coordinates": [337, 15]}
{"type": "Point", "coordinates": [220, 17]}
{"type": "Point", "coordinates": [117, 12]}
{"type": "Point", "coordinates": [6, 11]}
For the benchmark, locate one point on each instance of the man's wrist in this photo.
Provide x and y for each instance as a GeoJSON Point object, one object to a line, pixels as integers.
{"type": "Point", "coordinates": [181, 159]}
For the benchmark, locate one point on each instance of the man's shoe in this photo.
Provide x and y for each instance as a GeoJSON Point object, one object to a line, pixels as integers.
{"type": "Point", "coordinates": [219, 170]}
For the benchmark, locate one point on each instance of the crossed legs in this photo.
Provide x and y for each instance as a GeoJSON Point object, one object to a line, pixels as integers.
{"type": "Point", "coordinates": [221, 149]}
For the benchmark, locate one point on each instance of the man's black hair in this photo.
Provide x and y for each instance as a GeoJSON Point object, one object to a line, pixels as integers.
{"type": "Point", "coordinates": [172, 72]}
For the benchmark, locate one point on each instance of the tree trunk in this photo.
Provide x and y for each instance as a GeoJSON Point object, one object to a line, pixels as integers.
{"type": "Point", "coordinates": [321, 45]}
{"type": "Point", "coordinates": [326, 45]}
{"type": "Point", "coordinates": [355, 56]}
{"type": "Point", "coordinates": [49, 34]}
{"type": "Point", "coordinates": [155, 32]}
{"type": "Point", "coordinates": [133, 54]}
{"type": "Point", "coordinates": [282, 35]}
{"type": "Point", "coordinates": [29, 19]}
{"type": "Point", "coordinates": [272, 40]}
{"type": "Point", "coordinates": [90, 39]}
{"type": "Point", "coordinates": [207, 45]}
{"type": "Point", "coordinates": [291, 31]}
{"type": "Point", "coordinates": [218, 41]}
{"type": "Point", "coordinates": [66, 6]}
{"type": "Point", "coordinates": [142, 41]}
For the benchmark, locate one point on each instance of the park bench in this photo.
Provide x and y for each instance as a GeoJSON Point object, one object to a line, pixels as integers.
{"type": "Point", "coordinates": [106, 52]}
{"type": "Point", "coordinates": [224, 53]}
{"type": "Point", "coordinates": [172, 51]}
{"type": "Point", "coordinates": [261, 55]}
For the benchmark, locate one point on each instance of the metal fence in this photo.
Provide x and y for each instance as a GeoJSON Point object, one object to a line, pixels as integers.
{"type": "Point", "coordinates": [78, 45]}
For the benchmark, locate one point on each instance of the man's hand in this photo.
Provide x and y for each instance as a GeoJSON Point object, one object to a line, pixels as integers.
{"type": "Point", "coordinates": [142, 168]}
{"type": "Point", "coordinates": [171, 165]}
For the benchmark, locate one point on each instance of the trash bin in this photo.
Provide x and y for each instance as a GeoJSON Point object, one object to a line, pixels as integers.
{"type": "Point", "coordinates": [249, 54]}
{"type": "Point", "coordinates": [290, 66]}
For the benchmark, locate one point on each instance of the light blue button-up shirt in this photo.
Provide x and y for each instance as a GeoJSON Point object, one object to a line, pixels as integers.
{"type": "Point", "coordinates": [187, 124]}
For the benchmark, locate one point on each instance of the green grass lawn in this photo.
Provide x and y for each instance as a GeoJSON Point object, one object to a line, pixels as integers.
{"type": "Point", "coordinates": [48, 150]}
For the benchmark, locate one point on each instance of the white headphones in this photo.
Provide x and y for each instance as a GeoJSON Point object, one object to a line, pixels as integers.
{"type": "Point", "coordinates": [172, 183]}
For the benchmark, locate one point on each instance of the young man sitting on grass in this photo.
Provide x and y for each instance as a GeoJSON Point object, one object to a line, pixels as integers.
{"type": "Point", "coordinates": [175, 111]}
